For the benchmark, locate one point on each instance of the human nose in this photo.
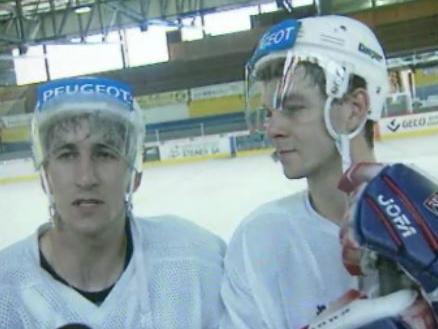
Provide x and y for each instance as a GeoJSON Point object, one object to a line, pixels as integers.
{"type": "Point", "coordinates": [274, 125]}
{"type": "Point", "coordinates": [86, 173]}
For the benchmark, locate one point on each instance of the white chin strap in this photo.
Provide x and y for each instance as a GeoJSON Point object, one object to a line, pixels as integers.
{"type": "Point", "coordinates": [131, 187]}
{"type": "Point", "coordinates": [342, 141]}
{"type": "Point", "coordinates": [49, 194]}
{"type": "Point", "coordinates": [128, 195]}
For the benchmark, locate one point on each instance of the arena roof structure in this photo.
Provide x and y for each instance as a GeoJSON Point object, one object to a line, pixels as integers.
{"type": "Point", "coordinates": [25, 22]}
{"type": "Point", "coordinates": [408, 30]}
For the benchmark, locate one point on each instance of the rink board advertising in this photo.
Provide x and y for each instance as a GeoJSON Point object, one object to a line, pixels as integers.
{"type": "Point", "coordinates": [408, 125]}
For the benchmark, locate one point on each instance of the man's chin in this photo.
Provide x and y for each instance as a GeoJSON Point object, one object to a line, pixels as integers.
{"type": "Point", "coordinates": [293, 175]}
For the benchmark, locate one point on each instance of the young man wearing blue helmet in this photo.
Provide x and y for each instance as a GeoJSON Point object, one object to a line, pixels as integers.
{"type": "Point", "coordinates": [315, 86]}
{"type": "Point", "coordinates": [94, 264]}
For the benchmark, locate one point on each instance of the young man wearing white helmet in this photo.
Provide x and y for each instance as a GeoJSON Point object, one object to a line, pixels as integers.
{"type": "Point", "coordinates": [315, 85]}
{"type": "Point", "coordinates": [95, 265]}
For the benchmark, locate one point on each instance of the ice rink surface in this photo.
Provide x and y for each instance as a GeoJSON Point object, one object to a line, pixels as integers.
{"type": "Point", "coordinates": [216, 194]}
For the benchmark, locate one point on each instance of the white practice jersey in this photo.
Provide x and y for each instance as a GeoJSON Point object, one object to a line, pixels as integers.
{"type": "Point", "coordinates": [283, 266]}
{"type": "Point", "coordinates": [171, 282]}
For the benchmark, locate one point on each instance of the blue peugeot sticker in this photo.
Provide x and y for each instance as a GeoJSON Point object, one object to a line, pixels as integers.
{"type": "Point", "coordinates": [280, 37]}
{"type": "Point", "coordinates": [85, 86]}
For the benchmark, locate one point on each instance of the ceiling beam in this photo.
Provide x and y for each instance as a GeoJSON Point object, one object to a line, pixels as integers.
{"type": "Point", "coordinates": [51, 23]}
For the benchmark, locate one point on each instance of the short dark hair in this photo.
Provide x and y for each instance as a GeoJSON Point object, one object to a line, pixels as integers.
{"type": "Point", "coordinates": [112, 131]}
{"type": "Point", "coordinates": [274, 70]}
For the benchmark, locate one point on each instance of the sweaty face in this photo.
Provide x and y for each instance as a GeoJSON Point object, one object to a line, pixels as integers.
{"type": "Point", "coordinates": [298, 132]}
{"type": "Point", "coordinates": [87, 177]}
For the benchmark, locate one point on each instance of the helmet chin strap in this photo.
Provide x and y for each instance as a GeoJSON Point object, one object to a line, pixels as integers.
{"type": "Point", "coordinates": [52, 209]}
{"type": "Point", "coordinates": [342, 141]}
{"type": "Point", "coordinates": [130, 192]}
{"type": "Point", "coordinates": [46, 187]}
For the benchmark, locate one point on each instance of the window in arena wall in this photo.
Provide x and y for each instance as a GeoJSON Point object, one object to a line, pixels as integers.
{"type": "Point", "coordinates": [299, 3]}
{"type": "Point", "coordinates": [67, 60]}
{"type": "Point", "coordinates": [389, 2]}
{"type": "Point", "coordinates": [229, 21]}
{"type": "Point", "coordinates": [94, 56]}
{"type": "Point", "coordinates": [147, 47]}
{"type": "Point", "coordinates": [192, 28]}
{"type": "Point", "coordinates": [29, 68]}
{"type": "Point", "coordinates": [272, 6]}
{"type": "Point", "coordinates": [268, 7]}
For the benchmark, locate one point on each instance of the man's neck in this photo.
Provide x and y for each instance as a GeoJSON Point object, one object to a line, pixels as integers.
{"type": "Point", "coordinates": [324, 194]}
{"type": "Point", "coordinates": [89, 263]}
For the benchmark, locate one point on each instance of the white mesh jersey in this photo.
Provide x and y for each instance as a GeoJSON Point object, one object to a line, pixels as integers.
{"type": "Point", "coordinates": [283, 266]}
{"type": "Point", "coordinates": [171, 282]}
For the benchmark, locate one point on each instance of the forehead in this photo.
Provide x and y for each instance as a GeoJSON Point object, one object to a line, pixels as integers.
{"type": "Point", "coordinates": [301, 87]}
{"type": "Point", "coordinates": [76, 129]}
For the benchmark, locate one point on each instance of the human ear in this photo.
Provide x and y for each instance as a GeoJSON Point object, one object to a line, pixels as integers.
{"type": "Point", "coordinates": [359, 103]}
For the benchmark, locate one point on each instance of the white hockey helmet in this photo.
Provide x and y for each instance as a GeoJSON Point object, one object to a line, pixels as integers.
{"type": "Point", "coordinates": [340, 46]}
{"type": "Point", "coordinates": [108, 105]}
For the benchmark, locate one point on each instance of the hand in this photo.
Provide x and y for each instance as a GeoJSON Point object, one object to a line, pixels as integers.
{"type": "Point", "coordinates": [393, 213]}
{"type": "Point", "coordinates": [393, 219]}
{"type": "Point", "coordinates": [353, 182]}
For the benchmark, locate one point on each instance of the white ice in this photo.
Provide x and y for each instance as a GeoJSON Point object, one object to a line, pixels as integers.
{"type": "Point", "coordinates": [216, 194]}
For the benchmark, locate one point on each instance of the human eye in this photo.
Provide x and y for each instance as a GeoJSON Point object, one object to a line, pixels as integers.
{"type": "Point", "coordinates": [267, 112]}
{"type": "Point", "coordinates": [264, 113]}
{"type": "Point", "coordinates": [105, 153]}
{"type": "Point", "coordinates": [293, 108]}
{"type": "Point", "coordinates": [66, 155]}
{"type": "Point", "coordinates": [64, 152]}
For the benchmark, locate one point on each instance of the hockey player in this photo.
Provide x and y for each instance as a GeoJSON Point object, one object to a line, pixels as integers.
{"type": "Point", "coordinates": [95, 265]}
{"type": "Point", "coordinates": [315, 85]}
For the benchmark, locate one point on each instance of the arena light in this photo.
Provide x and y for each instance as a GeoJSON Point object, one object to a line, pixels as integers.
{"type": "Point", "coordinates": [82, 10]}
